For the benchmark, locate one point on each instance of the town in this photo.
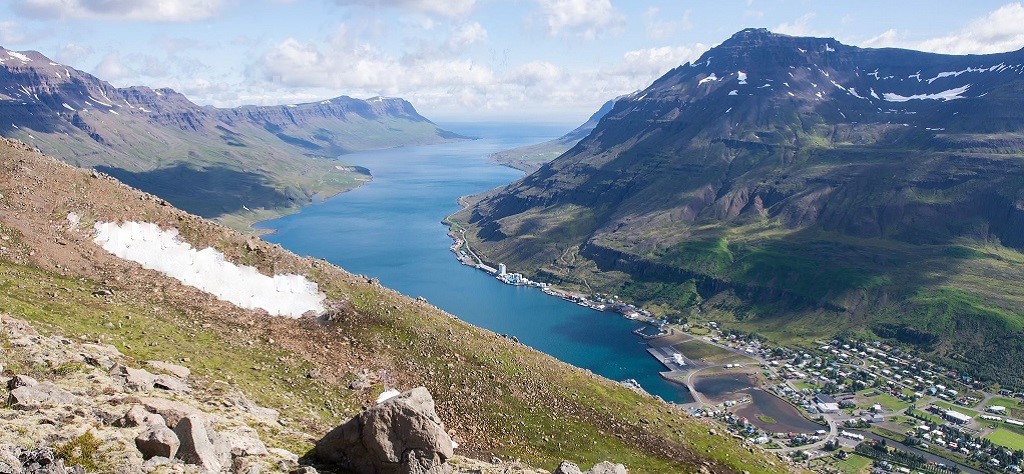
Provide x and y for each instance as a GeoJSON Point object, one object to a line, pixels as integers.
{"type": "Point", "coordinates": [874, 407]}
{"type": "Point", "coordinates": [880, 409]}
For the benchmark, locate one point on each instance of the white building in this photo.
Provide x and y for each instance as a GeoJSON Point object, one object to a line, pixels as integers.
{"type": "Point", "coordinates": [501, 269]}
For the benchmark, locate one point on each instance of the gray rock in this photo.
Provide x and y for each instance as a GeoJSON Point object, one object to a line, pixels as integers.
{"type": "Point", "coordinates": [167, 382]}
{"type": "Point", "coordinates": [603, 467]}
{"type": "Point", "coordinates": [155, 462]}
{"type": "Point", "coordinates": [263, 414]}
{"type": "Point", "coordinates": [567, 468]}
{"type": "Point", "coordinates": [606, 467]}
{"type": "Point", "coordinates": [43, 461]}
{"type": "Point", "coordinates": [133, 380]}
{"type": "Point", "coordinates": [174, 369]}
{"type": "Point", "coordinates": [245, 465]}
{"type": "Point", "coordinates": [32, 396]}
{"type": "Point", "coordinates": [197, 446]}
{"type": "Point", "coordinates": [244, 442]}
{"type": "Point", "coordinates": [402, 435]}
{"type": "Point", "coordinates": [21, 381]}
{"type": "Point", "coordinates": [138, 416]}
{"type": "Point", "coordinates": [157, 441]}
{"type": "Point", "coordinates": [172, 411]}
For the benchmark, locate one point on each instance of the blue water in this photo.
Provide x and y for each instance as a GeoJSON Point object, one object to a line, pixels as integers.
{"type": "Point", "coordinates": [391, 229]}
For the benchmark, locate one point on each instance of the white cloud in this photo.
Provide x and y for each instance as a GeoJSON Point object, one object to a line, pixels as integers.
{"type": "Point", "coordinates": [11, 33]}
{"type": "Point", "coordinates": [465, 36]}
{"type": "Point", "coordinates": [134, 10]}
{"type": "Point", "coordinates": [586, 18]}
{"type": "Point", "coordinates": [799, 27]}
{"type": "Point", "coordinates": [110, 68]}
{"type": "Point", "coordinates": [535, 72]}
{"type": "Point", "coordinates": [450, 8]}
{"type": "Point", "coordinates": [653, 62]}
{"type": "Point", "coordinates": [71, 53]}
{"type": "Point", "coordinates": [1000, 30]}
{"type": "Point", "coordinates": [888, 38]}
{"type": "Point", "coordinates": [444, 85]}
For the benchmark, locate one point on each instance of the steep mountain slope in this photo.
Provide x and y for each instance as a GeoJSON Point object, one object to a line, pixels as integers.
{"type": "Point", "coordinates": [214, 162]}
{"type": "Point", "coordinates": [530, 157]}
{"type": "Point", "coordinates": [800, 187]}
{"type": "Point", "coordinates": [496, 397]}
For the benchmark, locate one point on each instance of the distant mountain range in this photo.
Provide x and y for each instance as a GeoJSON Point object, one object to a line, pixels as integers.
{"type": "Point", "coordinates": [800, 188]}
{"type": "Point", "coordinates": [249, 162]}
{"type": "Point", "coordinates": [530, 157]}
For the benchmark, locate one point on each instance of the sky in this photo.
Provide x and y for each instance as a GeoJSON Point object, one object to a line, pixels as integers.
{"type": "Point", "coordinates": [458, 60]}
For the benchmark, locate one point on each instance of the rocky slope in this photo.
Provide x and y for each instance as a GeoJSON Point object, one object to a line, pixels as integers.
{"type": "Point", "coordinates": [530, 157]}
{"type": "Point", "coordinates": [496, 397]}
{"type": "Point", "coordinates": [213, 162]}
{"type": "Point", "coordinates": [783, 181]}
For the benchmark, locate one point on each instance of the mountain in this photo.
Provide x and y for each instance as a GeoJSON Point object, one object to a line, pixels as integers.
{"type": "Point", "coordinates": [240, 164]}
{"type": "Point", "coordinates": [800, 188]}
{"type": "Point", "coordinates": [530, 157]}
{"type": "Point", "coordinates": [92, 309]}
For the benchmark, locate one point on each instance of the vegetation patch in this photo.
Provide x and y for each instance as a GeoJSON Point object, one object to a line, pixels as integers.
{"type": "Point", "coordinates": [1007, 438]}
{"type": "Point", "coordinates": [80, 451]}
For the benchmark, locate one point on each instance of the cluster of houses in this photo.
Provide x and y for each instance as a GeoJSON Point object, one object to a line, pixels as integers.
{"type": "Point", "coordinates": [959, 440]}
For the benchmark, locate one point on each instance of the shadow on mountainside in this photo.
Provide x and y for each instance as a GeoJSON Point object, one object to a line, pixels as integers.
{"type": "Point", "coordinates": [208, 192]}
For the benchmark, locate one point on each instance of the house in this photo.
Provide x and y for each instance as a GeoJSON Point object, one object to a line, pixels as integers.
{"type": "Point", "coordinates": [826, 403]}
{"type": "Point", "coordinates": [956, 417]}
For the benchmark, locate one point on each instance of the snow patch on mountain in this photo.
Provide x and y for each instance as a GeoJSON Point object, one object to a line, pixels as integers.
{"type": "Point", "coordinates": [741, 76]}
{"type": "Point", "coordinates": [997, 68]}
{"type": "Point", "coordinates": [951, 94]}
{"type": "Point", "coordinates": [19, 56]}
{"type": "Point", "coordinates": [161, 250]}
{"type": "Point", "coordinates": [710, 78]}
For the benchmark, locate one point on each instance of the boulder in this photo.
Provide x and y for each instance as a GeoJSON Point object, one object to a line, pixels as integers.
{"type": "Point", "coordinates": [157, 440]}
{"type": "Point", "coordinates": [138, 416]}
{"type": "Point", "coordinates": [172, 411]}
{"type": "Point", "coordinates": [133, 380]}
{"type": "Point", "coordinates": [244, 442]}
{"type": "Point", "coordinates": [21, 381]}
{"type": "Point", "coordinates": [606, 467]}
{"type": "Point", "coordinates": [46, 393]}
{"type": "Point", "coordinates": [402, 435]}
{"type": "Point", "coordinates": [169, 383]}
{"type": "Point", "coordinates": [603, 467]}
{"type": "Point", "coordinates": [567, 468]}
{"type": "Point", "coordinates": [173, 369]}
{"type": "Point", "coordinates": [41, 461]}
{"type": "Point", "coordinates": [200, 445]}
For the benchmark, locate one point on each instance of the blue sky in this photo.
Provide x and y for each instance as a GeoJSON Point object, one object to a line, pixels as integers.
{"type": "Point", "coordinates": [542, 60]}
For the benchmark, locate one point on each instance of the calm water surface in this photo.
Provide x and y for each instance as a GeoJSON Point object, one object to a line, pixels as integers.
{"type": "Point", "coordinates": [390, 229]}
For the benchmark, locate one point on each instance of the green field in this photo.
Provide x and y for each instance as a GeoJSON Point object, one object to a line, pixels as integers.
{"type": "Point", "coordinates": [1007, 438]}
{"type": "Point", "coordinates": [855, 464]}
{"type": "Point", "coordinates": [802, 384]}
{"type": "Point", "coordinates": [888, 401]}
{"type": "Point", "coordinates": [709, 353]}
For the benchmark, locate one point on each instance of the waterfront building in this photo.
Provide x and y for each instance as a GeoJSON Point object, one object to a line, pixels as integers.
{"type": "Point", "coordinates": [501, 269]}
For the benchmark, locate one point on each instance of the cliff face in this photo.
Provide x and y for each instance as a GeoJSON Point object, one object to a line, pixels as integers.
{"type": "Point", "coordinates": [245, 158]}
{"type": "Point", "coordinates": [783, 166]}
